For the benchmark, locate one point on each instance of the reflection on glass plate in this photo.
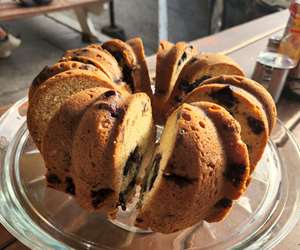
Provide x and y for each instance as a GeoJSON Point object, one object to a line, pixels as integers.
{"type": "Point", "coordinates": [43, 218]}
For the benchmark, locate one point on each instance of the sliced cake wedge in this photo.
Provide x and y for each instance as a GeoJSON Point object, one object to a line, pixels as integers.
{"type": "Point", "coordinates": [200, 165]}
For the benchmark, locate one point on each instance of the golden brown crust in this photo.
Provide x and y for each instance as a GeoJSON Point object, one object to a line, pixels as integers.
{"type": "Point", "coordinates": [57, 142]}
{"type": "Point", "coordinates": [238, 166]}
{"type": "Point", "coordinates": [255, 89]}
{"type": "Point", "coordinates": [192, 187]}
{"type": "Point", "coordinates": [99, 58]}
{"type": "Point", "coordinates": [97, 143]}
{"type": "Point", "coordinates": [196, 71]}
{"type": "Point", "coordinates": [53, 92]}
{"type": "Point", "coordinates": [127, 60]}
{"type": "Point", "coordinates": [245, 108]}
{"type": "Point", "coordinates": [48, 72]}
{"type": "Point", "coordinates": [98, 157]}
{"type": "Point", "coordinates": [96, 179]}
{"type": "Point", "coordinates": [236, 150]}
{"type": "Point", "coordinates": [95, 46]}
{"type": "Point", "coordinates": [170, 61]}
{"type": "Point", "coordinates": [141, 73]}
{"type": "Point", "coordinates": [116, 45]}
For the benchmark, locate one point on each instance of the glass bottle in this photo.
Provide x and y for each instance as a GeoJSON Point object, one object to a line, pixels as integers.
{"type": "Point", "coordinates": [290, 46]}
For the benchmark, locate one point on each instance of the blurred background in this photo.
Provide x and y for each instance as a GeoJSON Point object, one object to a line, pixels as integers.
{"type": "Point", "coordinates": [42, 35]}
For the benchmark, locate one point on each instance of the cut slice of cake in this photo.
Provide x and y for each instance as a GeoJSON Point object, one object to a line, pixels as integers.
{"type": "Point", "coordinates": [126, 58]}
{"type": "Point", "coordinates": [254, 88]}
{"type": "Point", "coordinates": [58, 139]}
{"type": "Point", "coordinates": [141, 73]}
{"type": "Point", "coordinates": [196, 71]}
{"type": "Point", "coordinates": [198, 168]}
{"type": "Point", "coordinates": [52, 93]}
{"type": "Point", "coordinates": [245, 108]}
{"type": "Point", "coordinates": [171, 58]}
{"type": "Point", "coordinates": [99, 58]}
{"type": "Point", "coordinates": [108, 151]}
{"type": "Point", "coordinates": [49, 71]}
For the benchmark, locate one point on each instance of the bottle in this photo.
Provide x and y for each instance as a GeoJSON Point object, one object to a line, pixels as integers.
{"type": "Point", "coordinates": [290, 45]}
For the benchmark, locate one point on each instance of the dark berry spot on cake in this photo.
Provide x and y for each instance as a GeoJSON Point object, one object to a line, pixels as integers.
{"type": "Point", "coordinates": [53, 179]}
{"type": "Point", "coordinates": [117, 55]}
{"type": "Point", "coordinates": [104, 106]}
{"type": "Point", "coordinates": [188, 87]}
{"type": "Point", "coordinates": [178, 99]}
{"type": "Point", "coordinates": [224, 203]}
{"type": "Point", "coordinates": [70, 188]}
{"type": "Point", "coordinates": [211, 165]}
{"type": "Point", "coordinates": [155, 168]}
{"type": "Point", "coordinates": [224, 96]}
{"type": "Point", "coordinates": [256, 126]}
{"type": "Point", "coordinates": [182, 59]}
{"type": "Point", "coordinates": [235, 173]}
{"type": "Point", "coordinates": [80, 59]}
{"type": "Point", "coordinates": [180, 181]}
{"type": "Point", "coordinates": [127, 72]}
{"type": "Point", "coordinates": [114, 112]}
{"type": "Point", "coordinates": [139, 220]}
{"type": "Point", "coordinates": [127, 75]}
{"type": "Point", "coordinates": [118, 113]}
{"type": "Point", "coordinates": [123, 196]}
{"type": "Point", "coordinates": [122, 201]}
{"type": "Point", "coordinates": [134, 157]}
{"type": "Point", "coordinates": [145, 108]}
{"type": "Point", "coordinates": [99, 196]}
{"type": "Point", "coordinates": [186, 116]}
{"type": "Point", "coordinates": [202, 124]}
{"type": "Point", "coordinates": [110, 93]}
{"type": "Point", "coordinates": [130, 173]}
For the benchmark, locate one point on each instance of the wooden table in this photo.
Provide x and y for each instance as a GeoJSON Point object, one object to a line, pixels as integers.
{"type": "Point", "coordinates": [242, 43]}
{"type": "Point", "coordinates": [10, 10]}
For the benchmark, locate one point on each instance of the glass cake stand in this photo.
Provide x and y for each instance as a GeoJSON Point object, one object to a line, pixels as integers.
{"type": "Point", "coordinates": [43, 218]}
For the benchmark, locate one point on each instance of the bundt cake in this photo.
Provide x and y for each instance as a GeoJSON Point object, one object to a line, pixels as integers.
{"type": "Point", "coordinates": [194, 159]}
{"type": "Point", "coordinates": [108, 148]}
{"type": "Point", "coordinates": [93, 115]}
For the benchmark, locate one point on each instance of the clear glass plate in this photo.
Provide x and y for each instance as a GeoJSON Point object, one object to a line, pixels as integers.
{"type": "Point", "coordinates": [43, 218]}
